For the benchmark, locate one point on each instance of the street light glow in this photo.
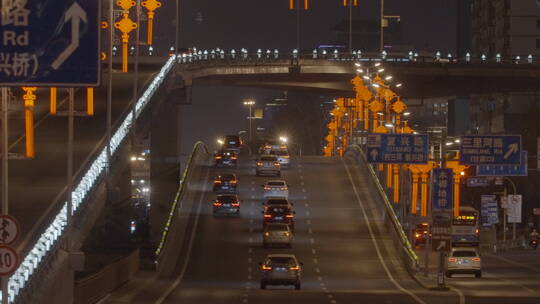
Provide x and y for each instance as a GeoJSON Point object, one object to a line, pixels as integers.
{"type": "Point", "coordinates": [380, 70]}
{"type": "Point", "coordinates": [283, 139]}
{"type": "Point", "coordinates": [360, 71]}
{"type": "Point", "coordinates": [389, 125]}
{"type": "Point", "coordinates": [388, 77]}
{"type": "Point", "coordinates": [220, 141]}
{"type": "Point", "coordinates": [357, 64]}
{"type": "Point", "coordinates": [249, 102]}
{"type": "Point", "coordinates": [366, 77]}
{"type": "Point", "coordinates": [398, 85]}
{"type": "Point", "coordinates": [377, 64]}
{"type": "Point", "coordinates": [375, 85]}
{"type": "Point", "coordinates": [406, 113]}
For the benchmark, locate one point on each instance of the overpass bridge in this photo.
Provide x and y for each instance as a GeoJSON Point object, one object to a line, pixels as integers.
{"type": "Point", "coordinates": [425, 76]}
{"type": "Point", "coordinates": [42, 245]}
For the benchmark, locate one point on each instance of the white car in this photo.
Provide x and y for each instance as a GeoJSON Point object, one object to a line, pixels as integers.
{"type": "Point", "coordinates": [277, 234]}
{"type": "Point", "coordinates": [283, 157]}
{"type": "Point", "coordinates": [464, 260]}
{"type": "Point", "coordinates": [268, 164]}
{"type": "Point", "coordinates": [276, 188]}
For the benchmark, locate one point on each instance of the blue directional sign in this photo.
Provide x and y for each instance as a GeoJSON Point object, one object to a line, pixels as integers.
{"type": "Point", "coordinates": [477, 182]}
{"type": "Point", "coordinates": [505, 170]}
{"type": "Point", "coordinates": [490, 150]}
{"type": "Point", "coordinates": [397, 148]}
{"type": "Point", "coordinates": [50, 43]}
{"type": "Point", "coordinates": [489, 210]}
{"type": "Point", "coordinates": [442, 194]}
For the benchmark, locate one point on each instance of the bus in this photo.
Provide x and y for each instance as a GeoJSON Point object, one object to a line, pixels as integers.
{"type": "Point", "coordinates": [465, 227]}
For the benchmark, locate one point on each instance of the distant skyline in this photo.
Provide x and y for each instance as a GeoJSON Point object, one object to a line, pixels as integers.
{"type": "Point", "coordinates": [270, 24]}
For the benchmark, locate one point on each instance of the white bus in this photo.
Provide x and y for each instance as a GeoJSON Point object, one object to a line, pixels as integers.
{"type": "Point", "coordinates": [465, 227]}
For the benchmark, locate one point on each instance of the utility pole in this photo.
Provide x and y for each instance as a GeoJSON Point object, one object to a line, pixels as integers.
{"type": "Point", "coordinates": [5, 157]}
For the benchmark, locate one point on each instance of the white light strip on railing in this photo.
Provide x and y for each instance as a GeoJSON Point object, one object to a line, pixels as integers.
{"type": "Point", "coordinates": [34, 257]}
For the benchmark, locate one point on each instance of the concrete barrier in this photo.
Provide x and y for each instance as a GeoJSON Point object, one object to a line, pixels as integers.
{"type": "Point", "coordinates": [92, 288]}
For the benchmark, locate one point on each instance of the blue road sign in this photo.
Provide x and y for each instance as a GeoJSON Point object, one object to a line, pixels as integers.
{"type": "Point", "coordinates": [489, 211]}
{"type": "Point", "coordinates": [490, 150]}
{"type": "Point", "coordinates": [397, 148]}
{"type": "Point", "coordinates": [442, 194]}
{"type": "Point", "coordinates": [477, 182]}
{"type": "Point", "coordinates": [505, 170]}
{"type": "Point", "coordinates": [50, 43]}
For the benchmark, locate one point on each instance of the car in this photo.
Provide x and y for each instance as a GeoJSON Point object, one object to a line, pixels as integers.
{"type": "Point", "coordinates": [281, 269]}
{"type": "Point", "coordinates": [464, 260]}
{"type": "Point", "coordinates": [224, 158]}
{"type": "Point", "coordinates": [277, 234]}
{"type": "Point", "coordinates": [277, 201]}
{"type": "Point", "coordinates": [421, 234]}
{"type": "Point", "coordinates": [232, 142]}
{"type": "Point", "coordinates": [226, 204]}
{"type": "Point", "coordinates": [268, 165]}
{"type": "Point", "coordinates": [275, 188]}
{"type": "Point", "coordinates": [278, 214]}
{"type": "Point", "coordinates": [283, 157]}
{"type": "Point", "coordinates": [225, 183]}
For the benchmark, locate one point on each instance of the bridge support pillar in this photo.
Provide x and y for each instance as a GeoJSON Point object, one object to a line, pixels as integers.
{"type": "Point", "coordinates": [164, 164]}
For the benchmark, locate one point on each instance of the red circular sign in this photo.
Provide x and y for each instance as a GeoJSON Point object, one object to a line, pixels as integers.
{"type": "Point", "coordinates": [9, 260]}
{"type": "Point", "coordinates": [9, 229]}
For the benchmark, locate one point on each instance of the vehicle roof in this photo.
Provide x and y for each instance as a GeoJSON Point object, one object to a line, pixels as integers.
{"type": "Point", "coordinates": [281, 255]}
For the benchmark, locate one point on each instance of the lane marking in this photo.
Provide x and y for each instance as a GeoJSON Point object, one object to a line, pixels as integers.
{"type": "Point", "coordinates": [313, 251]}
{"type": "Point", "coordinates": [305, 197]}
{"type": "Point", "coordinates": [250, 269]}
{"type": "Point", "coordinates": [310, 231]}
{"type": "Point", "coordinates": [190, 247]}
{"type": "Point", "coordinates": [306, 204]}
{"type": "Point", "coordinates": [307, 213]}
{"type": "Point", "coordinates": [333, 302]}
{"type": "Point", "coordinates": [303, 190]}
{"type": "Point", "coordinates": [252, 188]}
{"type": "Point", "coordinates": [249, 277]}
{"type": "Point", "coordinates": [319, 278]}
{"type": "Point", "coordinates": [249, 261]}
{"type": "Point", "coordinates": [536, 269]}
{"type": "Point", "coordinates": [301, 177]}
{"type": "Point", "coordinates": [317, 270]}
{"type": "Point", "coordinates": [315, 261]}
{"type": "Point", "coordinates": [373, 239]}
{"type": "Point", "coordinates": [253, 182]}
{"type": "Point", "coordinates": [302, 183]}
{"type": "Point", "coordinates": [330, 296]}
{"type": "Point", "coordinates": [250, 240]}
{"type": "Point", "coordinates": [308, 222]}
{"type": "Point", "coordinates": [311, 240]}
{"type": "Point", "coordinates": [460, 294]}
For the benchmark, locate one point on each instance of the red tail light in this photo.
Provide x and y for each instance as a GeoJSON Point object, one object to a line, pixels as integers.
{"type": "Point", "coordinates": [283, 188]}
{"type": "Point", "coordinates": [294, 268]}
{"type": "Point", "coordinates": [265, 267]}
{"type": "Point", "coordinates": [217, 182]}
{"type": "Point", "coordinates": [452, 260]}
{"type": "Point", "coordinates": [233, 182]}
{"type": "Point", "coordinates": [233, 157]}
{"type": "Point", "coordinates": [235, 204]}
{"type": "Point", "coordinates": [267, 188]}
{"type": "Point", "coordinates": [276, 164]}
{"type": "Point", "coordinates": [267, 216]}
{"type": "Point", "coordinates": [218, 157]}
{"type": "Point", "coordinates": [476, 259]}
{"type": "Point", "coordinates": [289, 216]}
{"type": "Point", "coordinates": [259, 164]}
{"type": "Point", "coordinates": [217, 204]}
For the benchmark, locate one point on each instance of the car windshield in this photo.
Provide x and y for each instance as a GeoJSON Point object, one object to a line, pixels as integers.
{"type": "Point", "coordinates": [268, 158]}
{"type": "Point", "coordinates": [464, 253]}
{"type": "Point", "coordinates": [281, 261]}
{"type": "Point", "coordinates": [278, 210]}
{"type": "Point", "coordinates": [276, 228]}
{"type": "Point", "coordinates": [227, 198]}
{"type": "Point", "coordinates": [276, 183]}
{"type": "Point", "coordinates": [277, 202]}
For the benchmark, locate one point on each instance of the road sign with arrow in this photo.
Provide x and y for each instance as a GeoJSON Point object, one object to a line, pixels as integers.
{"type": "Point", "coordinates": [490, 150]}
{"type": "Point", "coordinates": [50, 43]}
{"type": "Point", "coordinates": [397, 148]}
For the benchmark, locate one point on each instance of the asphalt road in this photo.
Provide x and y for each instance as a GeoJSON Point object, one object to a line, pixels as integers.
{"type": "Point", "coordinates": [34, 184]}
{"type": "Point", "coordinates": [347, 259]}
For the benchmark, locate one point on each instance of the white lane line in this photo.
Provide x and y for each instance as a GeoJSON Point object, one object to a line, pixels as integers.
{"type": "Point", "coordinates": [253, 182]}
{"type": "Point", "coordinates": [250, 269]}
{"type": "Point", "coordinates": [330, 296]}
{"type": "Point", "coordinates": [245, 300]}
{"type": "Point", "coordinates": [319, 278]}
{"type": "Point", "coordinates": [249, 277]}
{"type": "Point", "coordinates": [315, 261]}
{"type": "Point", "coordinates": [251, 221]}
{"type": "Point", "coordinates": [333, 302]}
{"type": "Point", "coordinates": [304, 190]}
{"type": "Point", "coordinates": [460, 294]}
{"type": "Point", "coordinates": [305, 197]}
{"type": "Point", "coordinates": [252, 188]}
{"type": "Point", "coordinates": [313, 251]}
{"type": "Point", "coordinates": [190, 246]}
{"type": "Point", "coordinates": [250, 250]}
{"type": "Point", "coordinates": [325, 289]}
{"type": "Point", "coordinates": [251, 240]}
{"type": "Point", "coordinates": [322, 285]}
{"type": "Point", "coordinates": [312, 240]}
{"type": "Point", "coordinates": [375, 244]}
{"type": "Point", "coordinates": [317, 270]}
{"type": "Point", "coordinates": [302, 183]}
{"type": "Point", "coordinates": [310, 231]}
{"type": "Point", "coordinates": [307, 213]}
{"type": "Point", "coordinates": [302, 177]}
{"type": "Point", "coordinates": [249, 261]}
{"type": "Point", "coordinates": [308, 222]}
{"type": "Point", "coordinates": [306, 204]}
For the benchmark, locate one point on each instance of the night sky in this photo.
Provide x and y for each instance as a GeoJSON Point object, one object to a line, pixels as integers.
{"type": "Point", "coordinates": [252, 24]}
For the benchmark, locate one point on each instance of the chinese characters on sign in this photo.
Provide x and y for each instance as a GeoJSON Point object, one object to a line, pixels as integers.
{"type": "Point", "coordinates": [397, 148]}
{"type": "Point", "coordinates": [513, 208]}
{"type": "Point", "coordinates": [46, 43]}
{"type": "Point", "coordinates": [15, 15]}
{"type": "Point", "coordinates": [490, 149]}
{"type": "Point", "coordinates": [489, 211]}
{"type": "Point", "coordinates": [442, 194]}
{"type": "Point", "coordinates": [505, 170]}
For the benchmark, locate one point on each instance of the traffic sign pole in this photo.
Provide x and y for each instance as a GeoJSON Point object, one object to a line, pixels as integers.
{"type": "Point", "coordinates": [5, 157]}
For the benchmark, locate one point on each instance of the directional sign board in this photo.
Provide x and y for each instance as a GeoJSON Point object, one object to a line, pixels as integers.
{"type": "Point", "coordinates": [513, 208]}
{"type": "Point", "coordinates": [397, 148]}
{"type": "Point", "coordinates": [50, 43]}
{"type": "Point", "coordinates": [9, 229]}
{"type": "Point", "coordinates": [477, 182]}
{"type": "Point", "coordinates": [490, 150]}
{"type": "Point", "coordinates": [441, 237]}
{"type": "Point", "coordinates": [505, 170]}
{"type": "Point", "coordinates": [489, 211]}
{"type": "Point", "coordinates": [9, 260]}
{"type": "Point", "coordinates": [442, 194]}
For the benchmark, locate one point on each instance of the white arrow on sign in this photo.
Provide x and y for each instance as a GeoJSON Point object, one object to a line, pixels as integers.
{"type": "Point", "coordinates": [374, 154]}
{"type": "Point", "coordinates": [513, 148]}
{"type": "Point", "coordinates": [442, 244]}
{"type": "Point", "coordinates": [75, 13]}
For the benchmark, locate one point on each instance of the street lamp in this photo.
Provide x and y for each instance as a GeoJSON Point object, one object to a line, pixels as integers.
{"type": "Point", "coordinates": [250, 103]}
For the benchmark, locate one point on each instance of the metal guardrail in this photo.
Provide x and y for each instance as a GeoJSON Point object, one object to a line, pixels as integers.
{"type": "Point", "coordinates": [398, 228]}
{"type": "Point", "coordinates": [177, 198]}
{"type": "Point", "coordinates": [48, 240]}
{"type": "Point", "coordinates": [412, 57]}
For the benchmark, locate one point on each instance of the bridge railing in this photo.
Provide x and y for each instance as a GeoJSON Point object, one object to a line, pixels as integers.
{"type": "Point", "coordinates": [198, 149]}
{"type": "Point", "coordinates": [356, 56]}
{"type": "Point", "coordinates": [404, 247]}
{"type": "Point", "coordinates": [40, 247]}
